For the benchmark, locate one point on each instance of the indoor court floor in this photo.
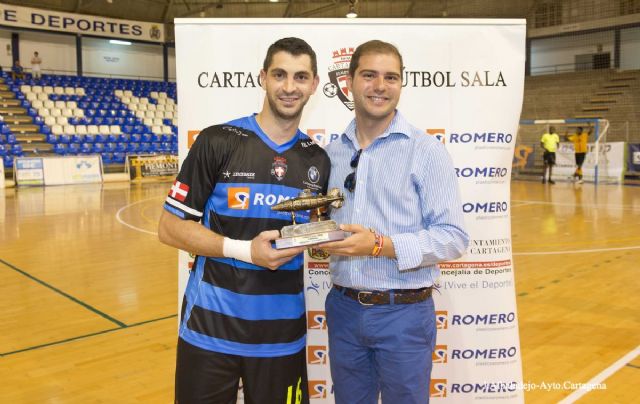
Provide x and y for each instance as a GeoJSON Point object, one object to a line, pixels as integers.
{"type": "Point", "coordinates": [89, 296]}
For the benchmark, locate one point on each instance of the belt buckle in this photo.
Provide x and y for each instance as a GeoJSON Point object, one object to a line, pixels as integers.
{"type": "Point", "coordinates": [366, 292]}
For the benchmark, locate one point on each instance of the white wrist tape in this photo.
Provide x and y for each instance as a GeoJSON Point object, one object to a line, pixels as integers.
{"type": "Point", "coordinates": [238, 249]}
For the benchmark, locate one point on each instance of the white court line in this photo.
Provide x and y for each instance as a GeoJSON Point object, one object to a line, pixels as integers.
{"type": "Point", "coordinates": [119, 219]}
{"type": "Point", "coordinates": [628, 207]}
{"type": "Point", "coordinates": [578, 251]}
{"type": "Point", "coordinates": [602, 376]}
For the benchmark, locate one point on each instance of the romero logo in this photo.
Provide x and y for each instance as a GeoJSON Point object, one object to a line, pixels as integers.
{"type": "Point", "coordinates": [238, 198]}
{"type": "Point", "coordinates": [317, 355]}
{"type": "Point", "coordinates": [438, 388]}
{"type": "Point", "coordinates": [316, 320]}
{"type": "Point", "coordinates": [338, 72]}
{"type": "Point", "coordinates": [439, 354]}
{"type": "Point", "coordinates": [191, 137]}
{"type": "Point", "coordinates": [438, 134]}
{"type": "Point", "coordinates": [317, 389]}
{"type": "Point", "coordinates": [442, 319]}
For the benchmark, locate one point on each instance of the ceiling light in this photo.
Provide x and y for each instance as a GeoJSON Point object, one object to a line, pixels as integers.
{"type": "Point", "coordinates": [352, 9]}
{"type": "Point", "coordinates": [119, 42]}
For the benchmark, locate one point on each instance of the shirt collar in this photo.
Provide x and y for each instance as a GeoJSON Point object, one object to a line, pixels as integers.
{"type": "Point", "coordinates": [399, 125]}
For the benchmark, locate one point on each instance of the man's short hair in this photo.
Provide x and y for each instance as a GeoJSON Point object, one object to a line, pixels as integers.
{"type": "Point", "coordinates": [293, 46]}
{"type": "Point", "coordinates": [373, 46]}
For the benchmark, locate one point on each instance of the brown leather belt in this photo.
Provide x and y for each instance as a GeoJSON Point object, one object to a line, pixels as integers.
{"type": "Point", "coordinates": [397, 296]}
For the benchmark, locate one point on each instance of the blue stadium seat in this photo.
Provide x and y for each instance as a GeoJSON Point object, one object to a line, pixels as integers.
{"type": "Point", "coordinates": [86, 148]}
{"type": "Point", "coordinates": [133, 147]}
{"type": "Point", "coordinates": [60, 149]}
{"type": "Point", "coordinates": [74, 148]}
{"type": "Point", "coordinates": [98, 148]}
{"type": "Point", "coordinates": [145, 147]}
{"type": "Point", "coordinates": [8, 161]}
{"type": "Point", "coordinates": [77, 138]}
{"type": "Point", "coordinates": [118, 157]}
{"type": "Point", "coordinates": [3, 150]}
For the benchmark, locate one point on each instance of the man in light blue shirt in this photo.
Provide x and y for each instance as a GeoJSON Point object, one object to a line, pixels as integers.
{"type": "Point", "coordinates": [403, 210]}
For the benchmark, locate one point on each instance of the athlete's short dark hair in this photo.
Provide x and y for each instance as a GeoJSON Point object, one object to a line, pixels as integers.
{"type": "Point", "coordinates": [373, 46]}
{"type": "Point", "coordinates": [293, 46]}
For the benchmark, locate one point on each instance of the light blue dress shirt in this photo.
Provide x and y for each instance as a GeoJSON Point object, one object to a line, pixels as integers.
{"type": "Point", "coordinates": [406, 189]}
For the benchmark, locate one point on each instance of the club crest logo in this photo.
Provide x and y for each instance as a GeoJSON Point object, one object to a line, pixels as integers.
{"type": "Point", "coordinates": [279, 167]}
{"type": "Point", "coordinates": [317, 253]}
{"type": "Point", "coordinates": [155, 32]}
{"type": "Point", "coordinates": [338, 72]}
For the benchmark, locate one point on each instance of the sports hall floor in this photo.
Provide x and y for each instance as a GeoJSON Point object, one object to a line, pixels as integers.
{"type": "Point", "coordinates": [88, 295]}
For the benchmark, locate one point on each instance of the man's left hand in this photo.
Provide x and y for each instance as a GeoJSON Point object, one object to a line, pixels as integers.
{"type": "Point", "coordinates": [359, 243]}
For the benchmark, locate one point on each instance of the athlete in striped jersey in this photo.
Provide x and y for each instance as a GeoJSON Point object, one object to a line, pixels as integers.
{"type": "Point", "coordinates": [243, 312]}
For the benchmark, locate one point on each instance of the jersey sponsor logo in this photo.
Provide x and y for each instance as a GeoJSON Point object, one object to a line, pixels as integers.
{"type": "Point", "coordinates": [438, 388]}
{"type": "Point", "coordinates": [317, 354]}
{"type": "Point", "coordinates": [241, 198]}
{"type": "Point", "coordinates": [238, 198]}
{"type": "Point", "coordinates": [338, 72]}
{"type": "Point", "coordinates": [179, 191]}
{"type": "Point", "coordinates": [279, 167]}
{"type": "Point", "coordinates": [317, 389]}
{"type": "Point", "coordinates": [439, 354]}
{"type": "Point", "coordinates": [313, 174]}
{"type": "Point", "coordinates": [316, 320]}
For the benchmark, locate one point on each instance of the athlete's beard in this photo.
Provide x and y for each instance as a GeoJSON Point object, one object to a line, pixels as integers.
{"type": "Point", "coordinates": [284, 114]}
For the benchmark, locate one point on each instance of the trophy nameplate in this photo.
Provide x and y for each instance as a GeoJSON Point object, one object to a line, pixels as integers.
{"type": "Point", "coordinates": [297, 235]}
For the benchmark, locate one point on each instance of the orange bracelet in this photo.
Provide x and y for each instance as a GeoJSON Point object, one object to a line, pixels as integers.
{"type": "Point", "coordinates": [377, 247]}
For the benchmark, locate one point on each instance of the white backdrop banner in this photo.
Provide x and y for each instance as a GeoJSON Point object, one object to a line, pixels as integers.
{"type": "Point", "coordinates": [463, 82]}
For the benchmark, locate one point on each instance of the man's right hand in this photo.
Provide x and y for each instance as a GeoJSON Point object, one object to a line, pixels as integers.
{"type": "Point", "coordinates": [264, 255]}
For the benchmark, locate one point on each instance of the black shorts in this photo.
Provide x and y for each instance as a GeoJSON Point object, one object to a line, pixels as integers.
{"type": "Point", "coordinates": [580, 159]}
{"type": "Point", "coordinates": [210, 377]}
{"type": "Point", "coordinates": [549, 158]}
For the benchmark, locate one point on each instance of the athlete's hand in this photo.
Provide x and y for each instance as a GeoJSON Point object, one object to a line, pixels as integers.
{"type": "Point", "coordinates": [264, 255]}
{"type": "Point", "coordinates": [359, 243]}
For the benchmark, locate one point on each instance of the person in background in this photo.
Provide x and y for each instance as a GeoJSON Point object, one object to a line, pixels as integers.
{"type": "Point", "coordinates": [36, 61]}
{"type": "Point", "coordinates": [17, 72]}
{"type": "Point", "coordinates": [580, 141]}
{"type": "Point", "coordinates": [549, 142]}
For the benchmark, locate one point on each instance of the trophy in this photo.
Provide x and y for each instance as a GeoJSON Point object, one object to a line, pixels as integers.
{"type": "Point", "coordinates": [321, 231]}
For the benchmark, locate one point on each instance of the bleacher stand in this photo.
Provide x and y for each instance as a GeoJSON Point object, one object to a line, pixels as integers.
{"type": "Point", "coordinates": [90, 115]}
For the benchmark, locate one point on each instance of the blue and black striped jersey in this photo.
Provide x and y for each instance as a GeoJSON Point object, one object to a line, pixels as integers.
{"type": "Point", "coordinates": [231, 177]}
